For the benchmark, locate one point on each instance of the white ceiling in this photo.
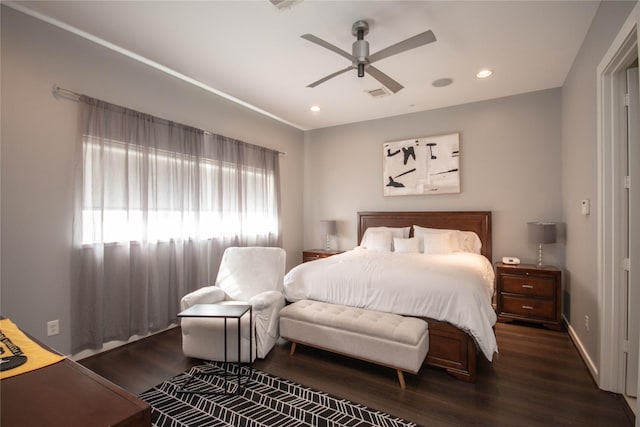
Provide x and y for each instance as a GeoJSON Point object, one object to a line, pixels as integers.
{"type": "Point", "coordinates": [252, 51]}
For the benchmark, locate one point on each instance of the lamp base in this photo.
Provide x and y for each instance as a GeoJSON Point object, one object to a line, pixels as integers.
{"type": "Point", "coordinates": [540, 264]}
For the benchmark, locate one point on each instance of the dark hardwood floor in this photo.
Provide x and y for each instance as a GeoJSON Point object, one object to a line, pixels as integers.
{"type": "Point", "coordinates": [538, 379]}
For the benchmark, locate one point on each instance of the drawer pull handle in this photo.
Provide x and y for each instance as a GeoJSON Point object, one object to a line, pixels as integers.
{"type": "Point", "coordinates": [528, 286]}
{"type": "Point", "coordinates": [527, 307]}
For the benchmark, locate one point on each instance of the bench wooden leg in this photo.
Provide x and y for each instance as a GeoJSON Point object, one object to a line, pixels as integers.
{"type": "Point", "coordinates": [401, 379]}
{"type": "Point", "coordinates": [293, 348]}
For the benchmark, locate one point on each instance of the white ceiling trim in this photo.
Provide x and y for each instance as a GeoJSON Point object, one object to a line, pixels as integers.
{"type": "Point", "coordinates": [145, 61]}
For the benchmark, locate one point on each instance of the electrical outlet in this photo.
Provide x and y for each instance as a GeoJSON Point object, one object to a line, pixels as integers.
{"type": "Point", "coordinates": [586, 323]}
{"type": "Point", "coordinates": [53, 327]}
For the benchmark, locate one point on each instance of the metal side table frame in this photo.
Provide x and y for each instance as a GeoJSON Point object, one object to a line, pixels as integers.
{"type": "Point", "coordinates": [226, 312]}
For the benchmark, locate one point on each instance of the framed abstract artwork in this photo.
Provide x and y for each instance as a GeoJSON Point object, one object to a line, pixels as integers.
{"type": "Point", "coordinates": [427, 165]}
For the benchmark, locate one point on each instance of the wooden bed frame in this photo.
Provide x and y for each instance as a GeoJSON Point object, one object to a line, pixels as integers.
{"type": "Point", "coordinates": [449, 347]}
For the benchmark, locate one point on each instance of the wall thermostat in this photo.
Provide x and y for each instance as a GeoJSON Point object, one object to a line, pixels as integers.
{"type": "Point", "coordinates": [511, 260]}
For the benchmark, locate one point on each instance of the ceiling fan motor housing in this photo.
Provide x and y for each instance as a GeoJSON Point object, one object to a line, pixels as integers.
{"type": "Point", "coordinates": [360, 51]}
{"type": "Point", "coordinates": [360, 48]}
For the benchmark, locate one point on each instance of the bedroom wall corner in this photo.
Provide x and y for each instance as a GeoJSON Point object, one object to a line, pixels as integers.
{"type": "Point", "coordinates": [38, 137]}
{"type": "Point", "coordinates": [579, 177]}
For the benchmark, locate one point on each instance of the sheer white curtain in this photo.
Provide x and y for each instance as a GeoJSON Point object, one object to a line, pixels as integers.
{"type": "Point", "coordinates": [156, 205]}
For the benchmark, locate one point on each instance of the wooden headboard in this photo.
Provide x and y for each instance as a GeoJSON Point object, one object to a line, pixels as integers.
{"type": "Point", "coordinates": [476, 221]}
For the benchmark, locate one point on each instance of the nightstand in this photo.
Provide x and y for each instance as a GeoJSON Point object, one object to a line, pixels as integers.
{"type": "Point", "coordinates": [314, 254]}
{"type": "Point", "coordinates": [529, 293]}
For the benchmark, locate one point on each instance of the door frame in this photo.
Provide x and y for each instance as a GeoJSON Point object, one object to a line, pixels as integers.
{"type": "Point", "coordinates": [610, 375]}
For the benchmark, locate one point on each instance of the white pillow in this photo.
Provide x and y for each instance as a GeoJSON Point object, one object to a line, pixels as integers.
{"type": "Point", "coordinates": [399, 232]}
{"type": "Point", "coordinates": [411, 245]}
{"type": "Point", "coordinates": [424, 234]}
{"type": "Point", "coordinates": [438, 243]}
{"type": "Point", "coordinates": [405, 231]}
{"type": "Point", "coordinates": [377, 239]}
{"type": "Point", "coordinates": [467, 241]}
{"type": "Point", "coordinates": [470, 242]}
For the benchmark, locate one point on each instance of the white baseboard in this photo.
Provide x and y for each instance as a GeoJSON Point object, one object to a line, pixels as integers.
{"type": "Point", "coordinates": [632, 403]}
{"type": "Point", "coordinates": [593, 369]}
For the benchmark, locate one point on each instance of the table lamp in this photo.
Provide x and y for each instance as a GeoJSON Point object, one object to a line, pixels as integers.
{"type": "Point", "coordinates": [328, 228]}
{"type": "Point", "coordinates": [541, 233]}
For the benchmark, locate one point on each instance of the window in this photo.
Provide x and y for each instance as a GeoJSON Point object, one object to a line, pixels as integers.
{"type": "Point", "coordinates": [177, 210]}
{"type": "Point", "coordinates": [157, 203]}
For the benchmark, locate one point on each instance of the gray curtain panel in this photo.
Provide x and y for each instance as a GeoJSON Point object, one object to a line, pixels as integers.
{"type": "Point", "coordinates": [156, 205]}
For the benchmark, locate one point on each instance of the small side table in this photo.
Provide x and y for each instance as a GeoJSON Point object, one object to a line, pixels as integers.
{"type": "Point", "coordinates": [314, 254]}
{"type": "Point", "coordinates": [226, 312]}
{"type": "Point", "coordinates": [529, 293]}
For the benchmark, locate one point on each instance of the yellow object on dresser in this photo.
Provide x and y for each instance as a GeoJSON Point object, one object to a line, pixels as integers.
{"type": "Point", "coordinates": [22, 352]}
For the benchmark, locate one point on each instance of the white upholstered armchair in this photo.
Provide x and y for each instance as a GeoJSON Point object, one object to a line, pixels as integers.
{"type": "Point", "coordinates": [247, 275]}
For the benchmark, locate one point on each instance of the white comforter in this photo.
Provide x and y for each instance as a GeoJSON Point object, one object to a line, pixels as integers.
{"type": "Point", "coordinates": [456, 288]}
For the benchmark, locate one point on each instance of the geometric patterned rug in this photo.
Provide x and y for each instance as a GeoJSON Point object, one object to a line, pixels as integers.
{"type": "Point", "coordinates": [265, 401]}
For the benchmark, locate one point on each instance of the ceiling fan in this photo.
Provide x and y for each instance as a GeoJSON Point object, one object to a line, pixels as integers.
{"type": "Point", "coordinates": [360, 58]}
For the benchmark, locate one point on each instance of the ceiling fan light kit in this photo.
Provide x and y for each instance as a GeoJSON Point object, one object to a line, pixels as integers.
{"type": "Point", "coordinates": [360, 58]}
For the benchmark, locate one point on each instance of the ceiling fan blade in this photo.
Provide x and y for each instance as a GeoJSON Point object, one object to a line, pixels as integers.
{"type": "Point", "coordinates": [327, 45]}
{"type": "Point", "coordinates": [387, 81]}
{"type": "Point", "coordinates": [330, 76]}
{"type": "Point", "coordinates": [410, 43]}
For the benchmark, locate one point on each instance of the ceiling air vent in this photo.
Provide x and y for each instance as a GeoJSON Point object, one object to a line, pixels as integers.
{"type": "Point", "coordinates": [377, 93]}
{"type": "Point", "coordinates": [281, 4]}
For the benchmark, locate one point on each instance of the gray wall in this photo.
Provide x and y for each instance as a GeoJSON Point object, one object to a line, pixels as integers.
{"type": "Point", "coordinates": [525, 157]}
{"type": "Point", "coordinates": [38, 135]}
{"type": "Point", "coordinates": [579, 179]}
{"type": "Point", "coordinates": [510, 165]}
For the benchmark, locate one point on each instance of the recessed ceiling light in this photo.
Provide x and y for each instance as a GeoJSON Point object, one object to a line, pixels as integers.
{"type": "Point", "coordinates": [482, 74]}
{"type": "Point", "coordinates": [315, 108]}
{"type": "Point", "coordinates": [442, 82]}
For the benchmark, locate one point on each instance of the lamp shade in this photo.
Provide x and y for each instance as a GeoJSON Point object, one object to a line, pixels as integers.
{"type": "Point", "coordinates": [542, 232]}
{"type": "Point", "coordinates": [328, 228]}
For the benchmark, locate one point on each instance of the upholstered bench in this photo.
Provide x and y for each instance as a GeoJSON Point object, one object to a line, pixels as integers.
{"type": "Point", "coordinates": [386, 339]}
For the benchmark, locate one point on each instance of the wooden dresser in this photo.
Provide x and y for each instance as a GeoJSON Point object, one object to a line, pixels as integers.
{"type": "Point", "coordinates": [529, 293]}
{"type": "Point", "coordinates": [314, 254]}
{"type": "Point", "coordinates": [68, 394]}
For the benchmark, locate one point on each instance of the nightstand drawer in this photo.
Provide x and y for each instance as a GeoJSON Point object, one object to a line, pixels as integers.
{"type": "Point", "coordinates": [538, 286]}
{"type": "Point", "coordinates": [529, 307]}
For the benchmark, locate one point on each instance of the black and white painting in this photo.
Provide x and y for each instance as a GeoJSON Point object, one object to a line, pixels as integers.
{"type": "Point", "coordinates": [428, 165]}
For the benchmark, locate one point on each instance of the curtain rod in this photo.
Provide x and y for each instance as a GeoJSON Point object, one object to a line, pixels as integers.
{"type": "Point", "coordinates": [60, 92]}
